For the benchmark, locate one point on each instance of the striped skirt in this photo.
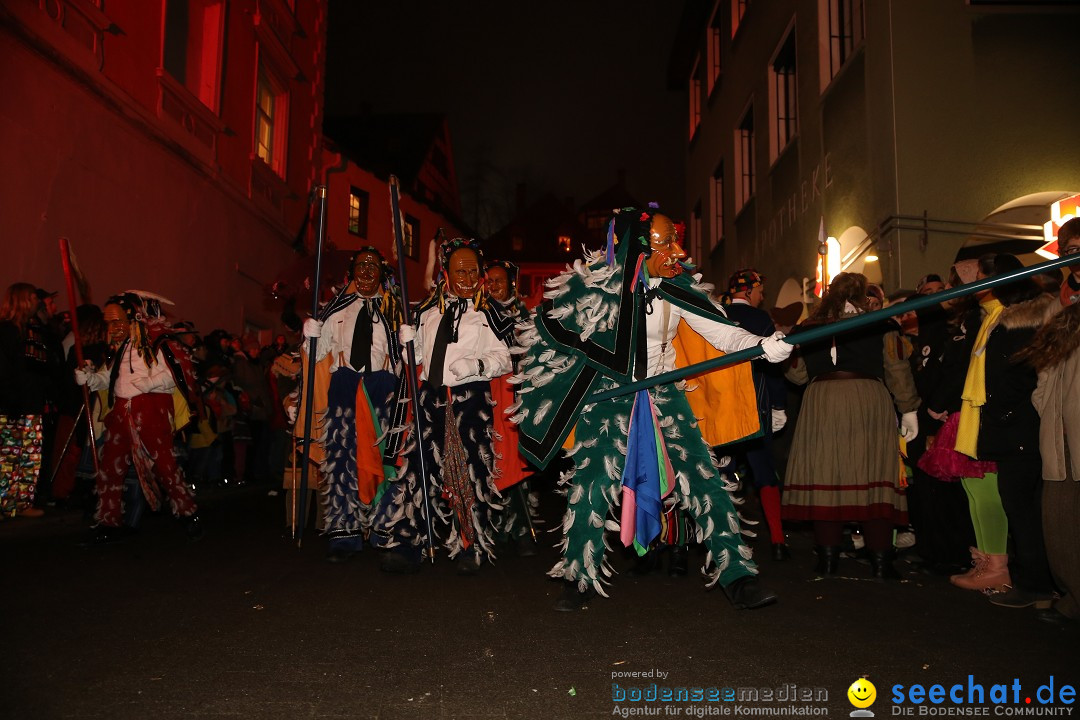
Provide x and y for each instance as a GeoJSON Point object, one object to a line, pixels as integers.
{"type": "Point", "coordinates": [844, 463]}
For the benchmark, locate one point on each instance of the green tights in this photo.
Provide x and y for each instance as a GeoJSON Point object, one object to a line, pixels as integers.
{"type": "Point", "coordinates": [987, 514]}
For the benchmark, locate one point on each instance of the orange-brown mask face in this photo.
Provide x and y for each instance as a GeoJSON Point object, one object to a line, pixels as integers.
{"type": "Point", "coordinates": [498, 283]}
{"type": "Point", "coordinates": [367, 272]}
{"type": "Point", "coordinates": [666, 251]}
{"type": "Point", "coordinates": [463, 273]}
{"type": "Point", "coordinates": [117, 323]}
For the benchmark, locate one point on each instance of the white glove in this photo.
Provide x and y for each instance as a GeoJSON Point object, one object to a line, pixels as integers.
{"type": "Point", "coordinates": [779, 420]}
{"type": "Point", "coordinates": [464, 367]}
{"type": "Point", "coordinates": [776, 350]}
{"type": "Point", "coordinates": [292, 409]}
{"type": "Point", "coordinates": [92, 380]}
{"type": "Point", "coordinates": [312, 328]}
{"type": "Point", "coordinates": [406, 333]}
{"type": "Point", "coordinates": [909, 426]}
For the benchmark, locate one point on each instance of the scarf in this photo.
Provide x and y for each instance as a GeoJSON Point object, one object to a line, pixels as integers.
{"type": "Point", "coordinates": [974, 395]}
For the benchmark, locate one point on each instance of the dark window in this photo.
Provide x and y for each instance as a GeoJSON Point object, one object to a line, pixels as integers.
{"type": "Point", "coordinates": [411, 229]}
{"type": "Point", "coordinates": [845, 31]}
{"type": "Point", "coordinates": [174, 54]}
{"type": "Point", "coordinates": [716, 198]}
{"type": "Point", "coordinates": [738, 9]}
{"type": "Point", "coordinates": [744, 137]}
{"type": "Point", "coordinates": [438, 161]}
{"type": "Point", "coordinates": [358, 212]}
{"type": "Point", "coordinates": [192, 48]}
{"type": "Point", "coordinates": [695, 97]}
{"type": "Point", "coordinates": [697, 245]}
{"type": "Point", "coordinates": [715, 48]}
{"type": "Point", "coordinates": [785, 107]}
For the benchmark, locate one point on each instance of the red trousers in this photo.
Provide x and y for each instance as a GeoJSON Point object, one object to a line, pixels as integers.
{"type": "Point", "coordinates": [140, 430]}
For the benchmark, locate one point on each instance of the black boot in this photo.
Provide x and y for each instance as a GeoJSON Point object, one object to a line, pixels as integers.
{"type": "Point", "coordinates": [881, 566]}
{"type": "Point", "coordinates": [103, 535]}
{"type": "Point", "coordinates": [646, 564]}
{"type": "Point", "coordinates": [746, 593]}
{"type": "Point", "coordinates": [468, 561]}
{"type": "Point", "coordinates": [400, 561]}
{"type": "Point", "coordinates": [526, 546]}
{"type": "Point", "coordinates": [194, 528]}
{"type": "Point", "coordinates": [342, 549]}
{"type": "Point", "coordinates": [573, 599]}
{"type": "Point", "coordinates": [780, 552]}
{"type": "Point", "coordinates": [827, 558]}
{"type": "Point", "coordinates": [679, 562]}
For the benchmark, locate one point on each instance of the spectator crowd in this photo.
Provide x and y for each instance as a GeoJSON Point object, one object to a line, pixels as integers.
{"type": "Point", "coordinates": [941, 435]}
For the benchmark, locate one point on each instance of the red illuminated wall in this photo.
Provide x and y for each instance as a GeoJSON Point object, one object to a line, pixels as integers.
{"type": "Point", "coordinates": [137, 141]}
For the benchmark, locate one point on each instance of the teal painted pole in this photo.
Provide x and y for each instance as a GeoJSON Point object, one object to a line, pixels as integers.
{"type": "Point", "coordinates": [841, 326]}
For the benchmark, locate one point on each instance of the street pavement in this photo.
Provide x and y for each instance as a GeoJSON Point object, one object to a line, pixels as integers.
{"type": "Point", "coordinates": [246, 625]}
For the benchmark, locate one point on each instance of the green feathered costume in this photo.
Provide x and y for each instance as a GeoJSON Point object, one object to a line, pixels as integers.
{"type": "Point", "coordinates": [589, 336]}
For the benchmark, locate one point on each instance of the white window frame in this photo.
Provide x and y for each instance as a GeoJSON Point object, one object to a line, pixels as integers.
{"type": "Point", "coordinates": [279, 120]}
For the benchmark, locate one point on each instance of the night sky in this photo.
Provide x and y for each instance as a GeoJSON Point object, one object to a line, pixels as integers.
{"type": "Point", "coordinates": [556, 94]}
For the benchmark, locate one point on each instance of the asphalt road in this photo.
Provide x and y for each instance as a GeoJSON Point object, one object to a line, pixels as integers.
{"type": "Point", "coordinates": [244, 624]}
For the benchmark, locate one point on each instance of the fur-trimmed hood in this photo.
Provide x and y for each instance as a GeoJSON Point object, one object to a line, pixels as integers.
{"type": "Point", "coordinates": [1029, 314]}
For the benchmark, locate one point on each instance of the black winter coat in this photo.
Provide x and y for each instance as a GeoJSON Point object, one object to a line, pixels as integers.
{"type": "Point", "coordinates": [1009, 423]}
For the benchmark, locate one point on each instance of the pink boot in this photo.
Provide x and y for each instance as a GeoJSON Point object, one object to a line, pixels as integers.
{"type": "Point", "coordinates": [978, 562]}
{"type": "Point", "coordinates": [993, 574]}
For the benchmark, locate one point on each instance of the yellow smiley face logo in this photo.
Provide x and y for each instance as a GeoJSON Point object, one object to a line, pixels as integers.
{"type": "Point", "coordinates": [862, 693]}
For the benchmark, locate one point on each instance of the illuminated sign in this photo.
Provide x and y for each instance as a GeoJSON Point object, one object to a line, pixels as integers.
{"type": "Point", "coordinates": [1060, 213]}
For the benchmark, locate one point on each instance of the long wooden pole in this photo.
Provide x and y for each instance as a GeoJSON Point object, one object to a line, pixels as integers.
{"type": "Point", "coordinates": [410, 355]}
{"type": "Point", "coordinates": [309, 389]}
{"type": "Point", "coordinates": [828, 330]}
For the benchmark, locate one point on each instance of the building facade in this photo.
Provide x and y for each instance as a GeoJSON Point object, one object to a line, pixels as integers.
{"type": "Point", "coordinates": [360, 156]}
{"type": "Point", "coordinates": [544, 237]}
{"type": "Point", "coordinates": [174, 142]}
{"type": "Point", "coordinates": [904, 129]}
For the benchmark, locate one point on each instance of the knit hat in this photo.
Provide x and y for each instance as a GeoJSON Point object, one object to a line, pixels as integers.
{"type": "Point", "coordinates": [745, 279]}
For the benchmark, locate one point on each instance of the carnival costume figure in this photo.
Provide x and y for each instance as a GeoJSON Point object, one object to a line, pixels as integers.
{"type": "Point", "coordinates": [520, 516]}
{"type": "Point", "coordinates": [609, 321]}
{"type": "Point", "coordinates": [746, 291]}
{"type": "Point", "coordinates": [845, 463]}
{"type": "Point", "coordinates": [151, 393]}
{"type": "Point", "coordinates": [460, 341]}
{"type": "Point", "coordinates": [31, 364]}
{"type": "Point", "coordinates": [358, 347]}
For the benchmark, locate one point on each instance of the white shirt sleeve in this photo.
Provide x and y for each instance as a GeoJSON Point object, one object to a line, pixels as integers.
{"type": "Point", "coordinates": [723, 337]}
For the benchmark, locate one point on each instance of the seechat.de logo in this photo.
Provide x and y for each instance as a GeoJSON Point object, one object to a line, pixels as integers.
{"type": "Point", "coordinates": [862, 695]}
